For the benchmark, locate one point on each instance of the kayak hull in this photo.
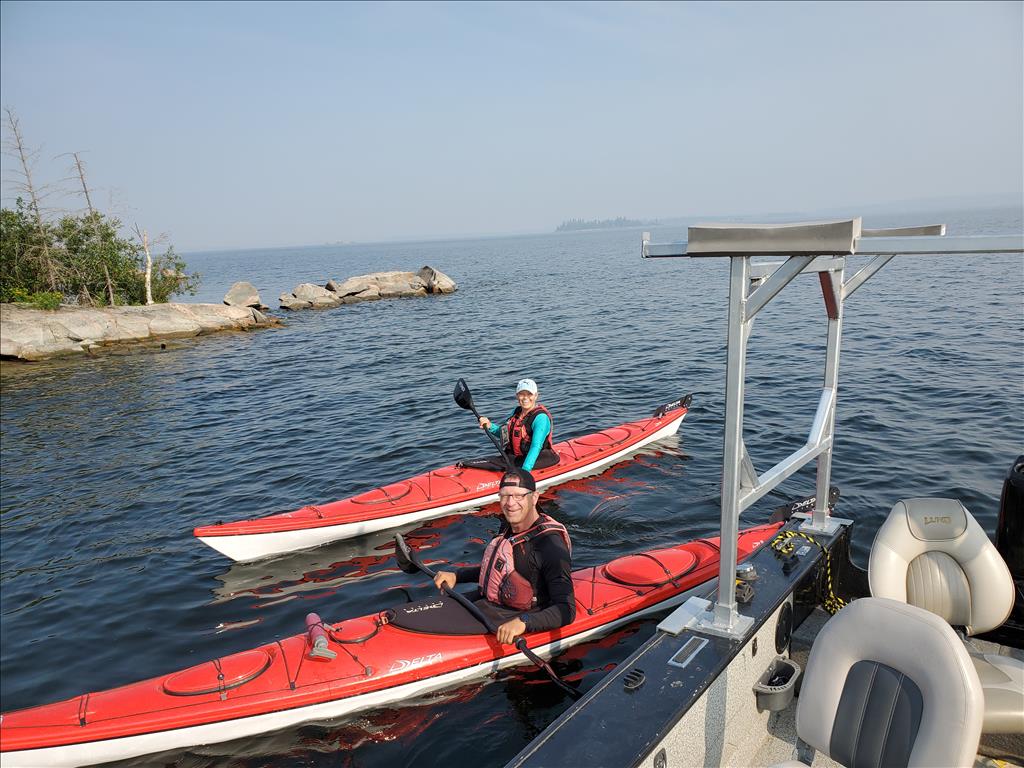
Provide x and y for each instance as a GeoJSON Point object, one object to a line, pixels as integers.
{"type": "Point", "coordinates": [249, 540]}
{"type": "Point", "coordinates": [280, 684]}
{"type": "Point", "coordinates": [212, 733]}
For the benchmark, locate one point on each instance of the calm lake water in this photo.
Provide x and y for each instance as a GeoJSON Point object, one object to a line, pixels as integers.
{"type": "Point", "coordinates": [109, 462]}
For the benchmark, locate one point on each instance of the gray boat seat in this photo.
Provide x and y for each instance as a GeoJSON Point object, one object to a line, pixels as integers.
{"type": "Point", "coordinates": [889, 684]}
{"type": "Point", "coordinates": [933, 554]}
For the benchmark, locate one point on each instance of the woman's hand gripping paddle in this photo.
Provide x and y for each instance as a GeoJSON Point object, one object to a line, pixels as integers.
{"type": "Point", "coordinates": [464, 399]}
{"type": "Point", "coordinates": [409, 562]}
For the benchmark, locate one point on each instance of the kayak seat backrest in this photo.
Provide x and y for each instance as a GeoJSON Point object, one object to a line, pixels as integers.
{"type": "Point", "coordinates": [932, 553]}
{"type": "Point", "coordinates": [651, 569]}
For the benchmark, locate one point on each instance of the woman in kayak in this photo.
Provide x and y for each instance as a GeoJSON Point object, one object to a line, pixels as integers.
{"type": "Point", "coordinates": [530, 430]}
{"type": "Point", "coordinates": [525, 576]}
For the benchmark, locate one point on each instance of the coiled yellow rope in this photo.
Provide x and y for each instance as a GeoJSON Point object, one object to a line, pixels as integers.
{"type": "Point", "coordinates": [783, 544]}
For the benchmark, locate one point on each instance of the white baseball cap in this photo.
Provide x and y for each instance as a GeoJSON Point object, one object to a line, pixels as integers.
{"type": "Point", "coordinates": [527, 385]}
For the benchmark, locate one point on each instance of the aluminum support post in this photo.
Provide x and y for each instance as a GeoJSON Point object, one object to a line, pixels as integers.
{"type": "Point", "coordinates": [832, 293]}
{"type": "Point", "coordinates": [726, 619]}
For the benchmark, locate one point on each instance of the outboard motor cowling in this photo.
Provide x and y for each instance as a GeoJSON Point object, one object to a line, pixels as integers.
{"type": "Point", "coordinates": [1010, 543]}
{"type": "Point", "coordinates": [1010, 527]}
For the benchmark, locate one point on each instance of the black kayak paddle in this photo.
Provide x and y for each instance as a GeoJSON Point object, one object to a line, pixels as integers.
{"type": "Point", "coordinates": [464, 399]}
{"type": "Point", "coordinates": [409, 562]}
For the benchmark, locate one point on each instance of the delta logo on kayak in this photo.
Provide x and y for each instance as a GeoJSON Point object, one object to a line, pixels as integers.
{"type": "Point", "coordinates": [485, 486]}
{"type": "Point", "coordinates": [401, 665]}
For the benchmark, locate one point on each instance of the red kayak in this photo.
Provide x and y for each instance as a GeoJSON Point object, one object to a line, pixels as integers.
{"type": "Point", "coordinates": [374, 662]}
{"type": "Point", "coordinates": [433, 494]}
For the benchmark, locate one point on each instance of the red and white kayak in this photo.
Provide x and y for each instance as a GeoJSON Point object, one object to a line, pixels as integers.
{"type": "Point", "coordinates": [286, 682]}
{"type": "Point", "coordinates": [433, 494]}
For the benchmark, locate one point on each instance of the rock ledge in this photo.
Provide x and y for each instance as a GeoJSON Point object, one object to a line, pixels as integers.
{"type": "Point", "coordinates": [38, 334]}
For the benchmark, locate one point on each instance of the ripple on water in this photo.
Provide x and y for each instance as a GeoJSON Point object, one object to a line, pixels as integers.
{"type": "Point", "coordinates": [108, 463]}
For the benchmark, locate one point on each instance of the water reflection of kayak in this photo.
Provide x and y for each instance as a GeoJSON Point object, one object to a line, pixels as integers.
{"type": "Point", "coordinates": [373, 661]}
{"type": "Point", "coordinates": [433, 494]}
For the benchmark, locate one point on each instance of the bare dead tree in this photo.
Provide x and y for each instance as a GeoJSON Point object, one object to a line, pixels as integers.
{"type": "Point", "coordinates": [144, 237]}
{"type": "Point", "coordinates": [79, 166]}
{"type": "Point", "coordinates": [110, 286]}
{"type": "Point", "coordinates": [15, 146]}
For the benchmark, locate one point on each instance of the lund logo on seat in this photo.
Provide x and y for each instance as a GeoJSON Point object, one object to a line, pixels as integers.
{"type": "Point", "coordinates": [400, 665]}
{"type": "Point", "coordinates": [929, 519]}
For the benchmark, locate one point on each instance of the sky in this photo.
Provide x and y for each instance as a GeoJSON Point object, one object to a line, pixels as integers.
{"type": "Point", "coordinates": [238, 125]}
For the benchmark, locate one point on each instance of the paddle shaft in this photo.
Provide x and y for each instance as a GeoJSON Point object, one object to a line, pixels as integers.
{"type": "Point", "coordinates": [463, 389]}
{"type": "Point", "coordinates": [497, 443]}
{"type": "Point", "coordinates": [480, 616]}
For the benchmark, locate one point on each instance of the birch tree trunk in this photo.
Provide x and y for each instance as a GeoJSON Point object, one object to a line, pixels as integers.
{"type": "Point", "coordinates": [149, 267]}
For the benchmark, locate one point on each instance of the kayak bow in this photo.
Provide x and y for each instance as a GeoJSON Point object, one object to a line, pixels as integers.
{"type": "Point", "coordinates": [433, 494]}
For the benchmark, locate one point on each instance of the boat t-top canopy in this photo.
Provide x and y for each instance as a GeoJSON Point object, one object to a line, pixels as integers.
{"type": "Point", "coordinates": [811, 248]}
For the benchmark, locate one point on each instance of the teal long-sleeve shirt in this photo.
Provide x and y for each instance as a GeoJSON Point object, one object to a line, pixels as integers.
{"type": "Point", "coordinates": [541, 430]}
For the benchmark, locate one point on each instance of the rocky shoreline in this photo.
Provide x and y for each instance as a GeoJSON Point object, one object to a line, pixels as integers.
{"type": "Point", "coordinates": [41, 334]}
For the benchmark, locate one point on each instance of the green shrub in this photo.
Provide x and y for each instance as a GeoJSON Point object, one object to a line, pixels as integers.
{"type": "Point", "coordinates": [46, 300]}
{"type": "Point", "coordinates": [77, 255]}
{"type": "Point", "coordinates": [39, 299]}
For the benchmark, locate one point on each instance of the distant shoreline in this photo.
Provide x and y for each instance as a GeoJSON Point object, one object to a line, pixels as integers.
{"type": "Point", "coordinates": [578, 225]}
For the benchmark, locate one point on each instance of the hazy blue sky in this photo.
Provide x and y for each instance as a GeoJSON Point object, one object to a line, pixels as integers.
{"type": "Point", "coordinates": [237, 125]}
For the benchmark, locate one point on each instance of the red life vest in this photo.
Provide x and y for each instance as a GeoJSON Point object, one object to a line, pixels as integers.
{"type": "Point", "coordinates": [499, 581]}
{"type": "Point", "coordinates": [520, 430]}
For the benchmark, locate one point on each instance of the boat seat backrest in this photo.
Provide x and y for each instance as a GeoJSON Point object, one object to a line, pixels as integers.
{"type": "Point", "coordinates": [890, 684]}
{"type": "Point", "coordinates": [933, 554]}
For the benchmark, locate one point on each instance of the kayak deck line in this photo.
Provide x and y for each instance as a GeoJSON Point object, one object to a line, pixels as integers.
{"type": "Point", "coordinates": [279, 684]}
{"type": "Point", "coordinates": [433, 494]}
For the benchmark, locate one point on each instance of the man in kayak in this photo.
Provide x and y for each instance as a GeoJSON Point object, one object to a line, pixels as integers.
{"type": "Point", "coordinates": [525, 576]}
{"type": "Point", "coordinates": [530, 430]}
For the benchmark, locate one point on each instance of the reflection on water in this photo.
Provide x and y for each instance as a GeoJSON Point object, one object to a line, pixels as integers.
{"type": "Point", "coordinates": [109, 462]}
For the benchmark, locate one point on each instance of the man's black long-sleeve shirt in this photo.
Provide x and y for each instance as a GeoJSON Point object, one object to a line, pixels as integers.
{"type": "Point", "coordinates": [546, 563]}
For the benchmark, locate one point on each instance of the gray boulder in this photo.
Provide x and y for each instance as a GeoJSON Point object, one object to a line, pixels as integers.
{"type": "Point", "coordinates": [243, 294]}
{"type": "Point", "coordinates": [400, 284]}
{"type": "Point", "coordinates": [289, 302]}
{"type": "Point", "coordinates": [316, 295]}
{"type": "Point", "coordinates": [437, 281]}
{"type": "Point", "coordinates": [355, 289]}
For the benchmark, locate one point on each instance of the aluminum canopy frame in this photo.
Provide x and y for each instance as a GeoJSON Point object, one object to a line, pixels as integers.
{"type": "Point", "coordinates": [811, 248]}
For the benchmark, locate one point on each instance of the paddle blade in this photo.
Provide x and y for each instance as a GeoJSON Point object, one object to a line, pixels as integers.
{"type": "Point", "coordinates": [402, 555]}
{"type": "Point", "coordinates": [462, 395]}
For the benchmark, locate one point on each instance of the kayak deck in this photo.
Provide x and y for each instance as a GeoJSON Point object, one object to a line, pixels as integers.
{"type": "Point", "coordinates": [280, 684]}
{"type": "Point", "coordinates": [432, 494]}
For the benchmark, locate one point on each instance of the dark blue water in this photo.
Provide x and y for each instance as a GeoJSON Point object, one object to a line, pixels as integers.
{"type": "Point", "coordinates": [108, 463]}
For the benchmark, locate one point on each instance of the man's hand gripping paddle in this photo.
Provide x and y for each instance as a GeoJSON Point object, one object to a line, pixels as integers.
{"type": "Point", "coordinates": [409, 562]}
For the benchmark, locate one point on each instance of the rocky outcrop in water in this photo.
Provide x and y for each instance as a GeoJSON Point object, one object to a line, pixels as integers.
{"type": "Point", "coordinates": [243, 294]}
{"type": "Point", "coordinates": [38, 334]}
{"type": "Point", "coordinates": [378, 285]}
{"type": "Point", "coordinates": [309, 295]}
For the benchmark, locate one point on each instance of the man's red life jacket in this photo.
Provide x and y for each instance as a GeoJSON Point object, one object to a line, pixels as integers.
{"type": "Point", "coordinates": [499, 581]}
{"type": "Point", "coordinates": [520, 430]}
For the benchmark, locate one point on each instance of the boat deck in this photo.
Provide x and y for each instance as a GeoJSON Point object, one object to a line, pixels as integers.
{"type": "Point", "coordinates": [698, 709]}
{"type": "Point", "coordinates": [779, 741]}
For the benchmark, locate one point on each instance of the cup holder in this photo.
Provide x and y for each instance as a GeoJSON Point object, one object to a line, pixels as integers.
{"type": "Point", "coordinates": [775, 688]}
